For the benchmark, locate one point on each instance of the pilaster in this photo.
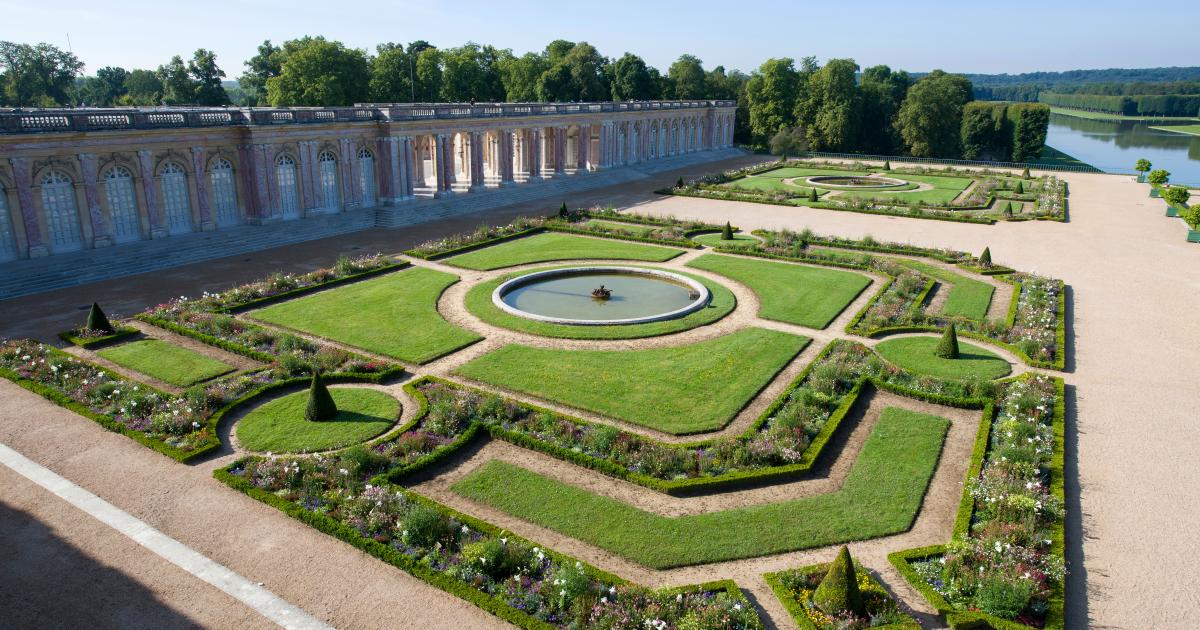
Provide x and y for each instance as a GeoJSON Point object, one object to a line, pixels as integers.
{"type": "Point", "coordinates": [33, 229]}
{"type": "Point", "coordinates": [89, 166]}
{"type": "Point", "coordinates": [146, 164]}
{"type": "Point", "coordinates": [203, 203]}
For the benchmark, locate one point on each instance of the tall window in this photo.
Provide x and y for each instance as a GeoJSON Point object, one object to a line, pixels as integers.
{"type": "Point", "coordinates": [224, 192]}
{"type": "Point", "coordinates": [366, 177]}
{"type": "Point", "coordinates": [8, 246]}
{"type": "Point", "coordinates": [285, 176]}
{"type": "Point", "coordinates": [122, 205]}
{"type": "Point", "coordinates": [176, 202]}
{"type": "Point", "coordinates": [327, 165]}
{"type": "Point", "coordinates": [62, 214]}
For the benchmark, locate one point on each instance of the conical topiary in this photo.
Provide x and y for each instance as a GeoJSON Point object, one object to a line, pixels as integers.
{"type": "Point", "coordinates": [679, 183]}
{"type": "Point", "coordinates": [727, 232]}
{"type": "Point", "coordinates": [812, 194]}
{"type": "Point", "coordinates": [985, 259]}
{"type": "Point", "coordinates": [887, 165]}
{"type": "Point", "coordinates": [948, 348]}
{"type": "Point", "coordinates": [97, 320]}
{"type": "Point", "coordinates": [320, 402]}
{"type": "Point", "coordinates": [1020, 188]}
{"type": "Point", "coordinates": [1025, 173]}
{"type": "Point", "coordinates": [562, 211]}
{"type": "Point", "coordinates": [838, 592]}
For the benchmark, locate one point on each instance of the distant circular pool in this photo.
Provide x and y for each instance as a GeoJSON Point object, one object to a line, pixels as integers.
{"type": "Point", "coordinates": [564, 296]}
{"type": "Point", "coordinates": [860, 181]}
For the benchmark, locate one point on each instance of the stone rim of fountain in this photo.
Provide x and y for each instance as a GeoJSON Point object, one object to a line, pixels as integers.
{"type": "Point", "coordinates": [697, 288]}
{"type": "Point", "coordinates": [884, 182]}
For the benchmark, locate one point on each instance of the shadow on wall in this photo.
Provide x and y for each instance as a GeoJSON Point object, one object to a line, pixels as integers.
{"type": "Point", "coordinates": [47, 582]}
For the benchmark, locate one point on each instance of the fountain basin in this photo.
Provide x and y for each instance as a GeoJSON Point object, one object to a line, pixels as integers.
{"type": "Point", "coordinates": [855, 181]}
{"type": "Point", "coordinates": [564, 296]}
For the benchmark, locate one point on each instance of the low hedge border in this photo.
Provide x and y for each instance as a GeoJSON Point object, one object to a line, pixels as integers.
{"type": "Point", "coordinates": [235, 348]}
{"type": "Point", "coordinates": [683, 243]}
{"type": "Point", "coordinates": [828, 206]}
{"type": "Point", "coordinates": [1056, 615]}
{"type": "Point", "coordinates": [120, 333]}
{"type": "Point", "coordinates": [796, 609]}
{"type": "Point", "coordinates": [320, 286]}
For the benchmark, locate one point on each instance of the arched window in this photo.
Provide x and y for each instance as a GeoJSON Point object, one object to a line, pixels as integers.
{"type": "Point", "coordinates": [177, 204]}
{"type": "Point", "coordinates": [224, 192]}
{"type": "Point", "coordinates": [327, 165]}
{"type": "Point", "coordinates": [62, 214]}
{"type": "Point", "coordinates": [8, 246]}
{"type": "Point", "coordinates": [366, 177]}
{"type": "Point", "coordinates": [122, 205]}
{"type": "Point", "coordinates": [285, 176]}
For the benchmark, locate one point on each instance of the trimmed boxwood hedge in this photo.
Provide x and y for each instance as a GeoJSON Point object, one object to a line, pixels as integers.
{"type": "Point", "coordinates": [700, 193]}
{"type": "Point", "coordinates": [1056, 614]}
{"type": "Point", "coordinates": [120, 333]}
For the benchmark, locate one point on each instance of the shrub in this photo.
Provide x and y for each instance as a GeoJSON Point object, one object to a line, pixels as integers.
{"type": "Point", "coordinates": [1003, 596]}
{"type": "Point", "coordinates": [97, 320]}
{"type": "Point", "coordinates": [497, 558]}
{"type": "Point", "coordinates": [985, 259]}
{"type": "Point", "coordinates": [887, 165]}
{"type": "Point", "coordinates": [1025, 173]}
{"type": "Point", "coordinates": [1158, 177]}
{"type": "Point", "coordinates": [1020, 188]}
{"type": "Point", "coordinates": [1176, 195]}
{"type": "Point", "coordinates": [948, 348]}
{"type": "Point", "coordinates": [812, 194]}
{"type": "Point", "coordinates": [562, 211]}
{"type": "Point", "coordinates": [679, 183]}
{"type": "Point", "coordinates": [838, 592]}
{"type": "Point", "coordinates": [320, 402]}
{"type": "Point", "coordinates": [1191, 216]}
{"type": "Point", "coordinates": [424, 526]}
{"type": "Point", "coordinates": [727, 232]}
{"type": "Point", "coordinates": [1142, 165]}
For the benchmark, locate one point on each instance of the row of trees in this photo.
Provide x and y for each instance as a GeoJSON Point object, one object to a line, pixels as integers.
{"type": "Point", "coordinates": [1135, 105]}
{"type": "Point", "coordinates": [1008, 132]}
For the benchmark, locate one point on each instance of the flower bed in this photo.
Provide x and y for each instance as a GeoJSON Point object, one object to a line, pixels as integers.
{"type": "Point", "coordinates": [511, 577]}
{"type": "Point", "coordinates": [87, 338]}
{"type": "Point", "coordinates": [795, 587]}
{"type": "Point", "coordinates": [1005, 565]}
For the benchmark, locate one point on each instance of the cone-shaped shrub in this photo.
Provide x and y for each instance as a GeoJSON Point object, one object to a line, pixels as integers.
{"type": "Point", "coordinates": [838, 592]}
{"type": "Point", "coordinates": [727, 232]}
{"type": "Point", "coordinates": [679, 183]}
{"type": "Point", "coordinates": [948, 348]}
{"type": "Point", "coordinates": [812, 194]}
{"type": "Point", "coordinates": [97, 320]}
{"type": "Point", "coordinates": [562, 211]}
{"type": "Point", "coordinates": [887, 165]}
{"type": "Point", "coordinates": [1025, 173]}
{"type": "Point", "coordinates": [985, 259]}
{"type": "Point", "coordinates": [320, 403]}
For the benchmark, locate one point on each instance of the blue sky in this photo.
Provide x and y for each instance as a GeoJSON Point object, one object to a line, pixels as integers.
{"type": "Point", "coordinates": [914, 35]}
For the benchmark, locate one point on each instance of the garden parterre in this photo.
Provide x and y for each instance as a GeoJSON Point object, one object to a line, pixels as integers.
{"type": "Point", "coordinates": [357, 493]}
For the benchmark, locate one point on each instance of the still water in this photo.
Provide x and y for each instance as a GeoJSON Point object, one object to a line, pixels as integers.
{"type": "Point", "coordinates": [571, 296]}
{"type": "Point", "coordinates": [1114, 146]}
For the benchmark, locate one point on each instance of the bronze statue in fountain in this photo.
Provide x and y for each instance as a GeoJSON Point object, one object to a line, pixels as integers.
{"type": "Point", "coordinates": [601, 293]}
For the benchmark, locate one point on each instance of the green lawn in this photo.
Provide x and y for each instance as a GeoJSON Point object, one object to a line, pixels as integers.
{"type": "Point", "coordinates": [550, 246]}
{"type": "Point", "coordinates": [685, 389]}
{"type": "Point", "coordinates": [945, 189]}
{"type": "Point", "coordinates": [640, 230]}
{"type": "Point", "coordinates": [166, 362]}
{"type": "Point", "coordinates": [1191, 130]}
{"type": "Point", "coordinates": [770, 184]}
{"type": "Point", "coordinates": [479, 303]}
{"type": "Point", "coordinates": [968, 297]}
{"type": "Point", "coordinates": [917, 355]}
{"type": "Point", "coordinates": [796, 294]}
{"type": "Point", "coordinates": [788, 172]}
{"type": "Point", "coordinates": [394, 314]}
{"type": "Point", "coordinates": [1080, 113]}
{"type": "Point", "coordinates": [279, 426]}
{"type": "Point", "coordinates": [881, 496]}
{"type": "Point", "coordinates": [713, 239]}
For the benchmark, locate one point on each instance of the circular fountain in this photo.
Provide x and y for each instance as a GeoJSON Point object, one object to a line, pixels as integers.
{"type": "Point", "coordinates": [601, 296]}
{"type": "Point", "coordinates": [855, 181]}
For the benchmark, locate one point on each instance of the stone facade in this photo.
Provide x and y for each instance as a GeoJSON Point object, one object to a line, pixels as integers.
{"type": "Point", "coordinates": [88, 178]}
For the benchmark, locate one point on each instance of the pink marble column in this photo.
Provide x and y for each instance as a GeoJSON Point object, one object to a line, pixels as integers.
{"type": "Point", "coordinates": [583, 147]}
{"type": "Point", "coordinates": [406, 167]}
{"type": "Point", "coordinates": [101, 235]}
{"type": "Point", "coordinates": [308, 178]}
{"type": "Point", "coordinates": [535, 154]}
{"type": "Point", "coordinates": [560, 150]}
{"type": "Point", "coordinates": [444, 166]}
{"type": "Point", "coordinates": [475, 152]}
{"type": "Point", "coordinates": [507, 172]}
{"type": "Point", "coordinates": [146, 165]}
{"type": "Point", "coordinates": [33, 229]}
{"type": "Point", "coordinates": [203, 205]}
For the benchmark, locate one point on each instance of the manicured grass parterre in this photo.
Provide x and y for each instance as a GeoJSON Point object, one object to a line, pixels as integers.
{"type": "Point", "coordinates": [796, 294]}
{"type": "Point", "coordinates": [881, 495]}
{"type": "Point", "coordinates": [713, 239]}
{"type": "Point", "coordinates": [551, 246]}
{"type": "Point", "coordinates": [394, 315]}
{"type": "Point", "coordinates": [640, 230]}
{"type": "Point", "coordinates": [945, 189]}
{"type": "Point", "coordinates": [278, 426]}
{"type": "Point", "coordinates": [1191, 130]}
{"type": "Point", "coordinates": [968, 297]}
{"type": "Point", "coordinates": [917, 354]}
{"type": "Point", "coordinates": [683, 389]}
{"type": "Point", "coordinates": [166, 362]}
{"type": "Point", "coordinates": [479, 302]}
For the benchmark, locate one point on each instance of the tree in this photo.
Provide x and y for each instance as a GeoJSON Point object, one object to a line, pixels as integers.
{"type": "Point", "coordinates": [97, 320]}
{"type": "Point", "coordinates": [771, 98]}
{"type": "Point", "coordinates": [1176, 195]}
{"type": "Point", "coordinates": [143, 87]}
{"type": "Point", "coordinates": [392, 74]}
{"type": "Point", "coordinates": [631, 81]}
{"type": "Point", "coordinates": [834, 106]}
{"type": "Point", "coordinates": [1191, 216]}
{"type": "Point", "coordinates": [36, 76]}
{"type": "Point", "coordinates": [882, 92]}
{"type": "Point", "coordinates": [178, 86]}
{"type": "Point", "coordinates": [985, 259]}
{"type": "Point", "coordinates": [105, 88]}
{"type": "Point", "coordinates": [930, 118]}
{"type": "Point", "coordinates": [429, 75]}
{"type": "Point", "coordinates": [982, 123]}
{"type": "Point", "coordinates": [574, 76]}
{"type": "Point", "coordinates": [321, 406]}
{"type": "Point", "coordinates": [264, 65]}
{"type": "Point", "coordinates": [789, 141]}
{"type": "Point", "coordinates": [321, 73]}
{"type": "Point", "coordinates": [948, 347]}
{"type": "Point", "coordinates": [463, 74]}
{"type": "Point", "coordinates": [1030, 123]}
{"type": "Point", "coordinates": [687, 78]}
{"type": "Point", "coordinates": [838, 591]}
{"type": "Point", "coordinates": [206, 77]}
{"type": "Point", "coordinates": [520, 77]}
{"type": "Point", "coordinates": [1143, 165]}
{"type": "Point", "coordinates": [1159, 177]}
